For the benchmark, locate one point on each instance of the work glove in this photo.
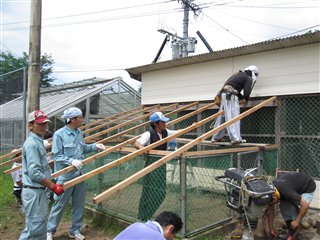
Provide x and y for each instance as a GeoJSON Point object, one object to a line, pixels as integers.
{"type": "Point", "coordinates": [57, 189]}
{"type": "Point", "coordinates": [77, 163]}
{"type": "Point", "coordinates": [217, 100]}
{"type": "Point", "coordinates": [242, 102]}
{"type": "Point", "coordinates": [100, 146]}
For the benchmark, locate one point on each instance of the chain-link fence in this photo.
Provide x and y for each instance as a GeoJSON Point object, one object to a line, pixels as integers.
{"type": "Point", "coordinates": [190, 188]}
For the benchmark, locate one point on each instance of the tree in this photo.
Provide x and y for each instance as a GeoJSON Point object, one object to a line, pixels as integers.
{"type": "Point", "coordinates": [11, 85]}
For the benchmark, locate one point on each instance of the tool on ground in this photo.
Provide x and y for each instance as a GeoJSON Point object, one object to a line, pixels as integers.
{"type": "Point", "coordinates": [247, 194]}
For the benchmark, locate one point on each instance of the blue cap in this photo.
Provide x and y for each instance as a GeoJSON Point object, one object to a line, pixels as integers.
{"type": "Point", "coordinates": [158, 116]}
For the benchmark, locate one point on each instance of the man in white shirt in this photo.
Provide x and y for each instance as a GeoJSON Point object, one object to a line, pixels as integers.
{"type": "Point", "coordinates": [154, 183]}
{"type": "Point", "coordinates": [17, 179]}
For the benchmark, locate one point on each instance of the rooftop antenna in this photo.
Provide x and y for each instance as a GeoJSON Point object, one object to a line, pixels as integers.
{"type": "Point", "coordinates": [182, 46]}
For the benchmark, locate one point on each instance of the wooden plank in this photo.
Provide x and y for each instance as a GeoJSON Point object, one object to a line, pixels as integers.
{"type": "Point", "coordinates": [228, 150]}
{"type": "Point", "coordinates": [128, 122]}
{"type": "Point", "coordinates": [120, 186]}
{"type": "Point", "coordinates": [10, 154]}
{"type": "Point", "coordinates": [209, 143]}
{"type": "Point", "coordinates": [108, 118]}
{"type": "Point", "coordinates": [118, 146]}
{"type": "Point", "coordinates": [111, 137]}
{"type": "Point", "coordinates": [138, 152]}
{"type": "Point", "coordinates": [146, 123]}
{"type": "Point", "coordinates": [49, 146]}
{"type": "Point", "coordinates": [118, 119]}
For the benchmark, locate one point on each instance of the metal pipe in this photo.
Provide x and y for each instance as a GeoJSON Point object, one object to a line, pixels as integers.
{"type": "Point", "coordinates": [204, 41]}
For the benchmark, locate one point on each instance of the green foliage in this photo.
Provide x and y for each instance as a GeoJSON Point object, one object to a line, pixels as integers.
{"type": "Point", "coordinates": [12, 84]}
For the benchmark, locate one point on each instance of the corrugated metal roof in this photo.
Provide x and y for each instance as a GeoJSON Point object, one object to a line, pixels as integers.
{"type": "Point", "coordinates": [55, 102]}
{"type": "Point", "coordinates": [269, 45]}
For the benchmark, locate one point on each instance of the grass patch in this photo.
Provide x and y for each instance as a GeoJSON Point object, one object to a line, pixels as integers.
{"type": "Point", "coordinates": [111, 229]}
{"type": "Point", "coordinates": [6, 185]}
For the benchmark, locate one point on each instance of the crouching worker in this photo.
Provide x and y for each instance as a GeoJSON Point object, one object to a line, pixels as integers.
{"type": "Point", "coordinates": [35, 179]}
{"type": "Point", "coordinates": [295, 192]}
{"type": "Point", "coordinates": [164, 227]}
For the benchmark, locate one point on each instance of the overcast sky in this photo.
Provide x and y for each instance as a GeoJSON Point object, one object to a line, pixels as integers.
{"type": "Point", "coordinates": [100, 38]}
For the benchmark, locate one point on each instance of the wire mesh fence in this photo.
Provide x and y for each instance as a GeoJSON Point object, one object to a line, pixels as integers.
{"type": "Point", "coordinates": [187, 185]}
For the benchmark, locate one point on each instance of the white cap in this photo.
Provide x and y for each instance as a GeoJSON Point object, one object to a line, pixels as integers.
{"type": "Point", "coordinates": [71, 113]}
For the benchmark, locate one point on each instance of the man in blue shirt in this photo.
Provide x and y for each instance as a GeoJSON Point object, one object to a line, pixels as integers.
{"type": "Point", "coordinates": [35, 179]}
{"type": "Point", "coordinates": [68, 149]}
{"type": "Point", "coordinates": [164, 227]}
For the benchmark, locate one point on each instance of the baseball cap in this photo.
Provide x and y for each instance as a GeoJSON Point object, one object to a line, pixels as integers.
{"type": "Point", "coordinates": [158, 116]}
{"type": "Point", "coordinates": [38, 116]}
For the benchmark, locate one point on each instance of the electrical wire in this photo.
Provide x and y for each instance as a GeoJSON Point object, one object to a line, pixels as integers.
{"type": "Point", "coordinates": [226, 29]}
{"type": "Point", "coordinates": [95, 20]}
{"type": "Point", "coordinates": [88, 13]}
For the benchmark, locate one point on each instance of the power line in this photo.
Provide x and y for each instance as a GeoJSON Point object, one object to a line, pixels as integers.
{"type": "Point", "coordinates": [88, 13]}
{"type": "Point", "coordinates": [227, 30]}
{"type": "Point", "coordinates": [254, 21]}
{"type": "Point", "coordinates": [302, 30]}
{"type": "Point", "coordinates": [88, 70]}
{"type": "Point", "coordinates": [97, 20]}
{"type": "Point", "coordinates": [10, 51]}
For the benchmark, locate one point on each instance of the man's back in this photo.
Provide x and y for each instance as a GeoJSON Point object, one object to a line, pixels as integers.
{"type": "Point", "coordinates": [292, 185]}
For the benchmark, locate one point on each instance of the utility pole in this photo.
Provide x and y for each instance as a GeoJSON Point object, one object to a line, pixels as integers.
{"type": "Point", "coordinates": [33, 97]}
{"type": "Point", "coordinates": [181, 46]}
{"type": "Point", "coordinates": [185, 29]}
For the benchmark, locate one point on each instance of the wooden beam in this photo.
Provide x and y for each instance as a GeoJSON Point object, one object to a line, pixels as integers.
{"type": "Point", "coordinates": [120, 145]}
{"type": "Point", "coordinates": [120, 186]}
{"type": "Point", "coordinates": [82, 127]}
{"type": "Point", "coordinates": [121, 118]}
{"type": "Point", "coordinates": [228, 151]}
{"type": "Point", "coordinates": [138, 152]}
{"type": "Point", "coordinates": [209, 143]}
{"type": "Point", "coordinates": [111, 137]}
{"type": "Point", "coordinates": [127, 122]}
{"type": "Point", "coordinates": [108, 118]}
{"type": "Point", "coordinates": [146, 123]}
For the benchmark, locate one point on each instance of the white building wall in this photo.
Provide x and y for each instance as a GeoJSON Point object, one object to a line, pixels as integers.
{"type": "Point", "coordinates": [287, 71]}
{"type": "Point", "coordinates": [316, 200]}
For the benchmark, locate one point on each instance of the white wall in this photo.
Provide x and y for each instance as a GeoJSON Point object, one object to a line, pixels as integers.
{"type": "Point", "coordinates": [316, 200]}
{"type": "Point", "coordinates": [292, 70]}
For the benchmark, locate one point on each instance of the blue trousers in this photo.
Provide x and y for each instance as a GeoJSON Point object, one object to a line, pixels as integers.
{"type": "Point", "coordinates": [77, 193]}
{"type": "Point", "coordinates": [36, 212]}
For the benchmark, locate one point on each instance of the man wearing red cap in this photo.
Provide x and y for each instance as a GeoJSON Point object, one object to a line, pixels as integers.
{"type": "Point", "coordinates": [36, 178]}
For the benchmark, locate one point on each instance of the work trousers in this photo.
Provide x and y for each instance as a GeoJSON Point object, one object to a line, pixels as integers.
{"type": "Point", "coordinates": [77, 193]}
{"type": "Point", "coordinates": [36, 213]}
{"type": "Point", "coordinates": [231, 110]}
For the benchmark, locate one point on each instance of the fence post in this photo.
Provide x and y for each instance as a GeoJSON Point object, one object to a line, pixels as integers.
{"type": "Point", "coordinates": [183, 195]}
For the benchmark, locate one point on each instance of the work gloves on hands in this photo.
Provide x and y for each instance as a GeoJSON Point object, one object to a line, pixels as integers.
{"type": "Point", "coordinates": [77, 163]}
{"type": "Point", "coordinates": [57, 189]}
{"type": "Point", "coordinates": [100, 146]}
{"type": "Point", "coordinates": [242, 102]}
